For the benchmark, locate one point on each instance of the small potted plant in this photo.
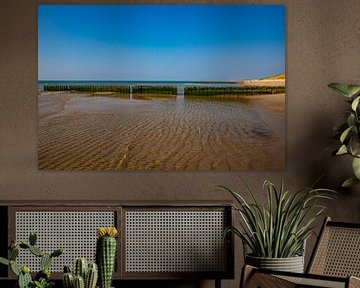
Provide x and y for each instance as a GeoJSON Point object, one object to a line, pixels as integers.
{"type": "Point", "coordinates": [106, 254]}
{"type": "Point", "coordinates": [87, 274]}
{"type": "Point", "coordinates": [84, 274]}
{"type": "Point", "coordinates": [276, 233]}
{"type": "Point", "coordinates": [349, 131]}
{"type": "Point", "coordinates": [42, 278]}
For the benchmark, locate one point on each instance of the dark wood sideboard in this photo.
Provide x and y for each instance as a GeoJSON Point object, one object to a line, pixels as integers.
{"type": "Point", "coordinates": [164, 240]}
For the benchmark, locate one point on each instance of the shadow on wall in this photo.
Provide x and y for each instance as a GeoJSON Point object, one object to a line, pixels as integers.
{"type": "Point", "coordinates": [314, 161]}
{"type": "Point", "coordinates": [318, 163]}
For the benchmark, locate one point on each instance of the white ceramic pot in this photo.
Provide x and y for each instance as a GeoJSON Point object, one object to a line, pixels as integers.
{"type": "Point", "coordinates": [291, 264]}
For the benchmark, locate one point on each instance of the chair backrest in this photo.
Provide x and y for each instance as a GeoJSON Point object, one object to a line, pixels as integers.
{"type": "Point", "coordinates": [337, 251]}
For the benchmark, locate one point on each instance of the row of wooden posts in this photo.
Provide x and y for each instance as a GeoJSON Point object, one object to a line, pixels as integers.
{"type": "Point", "coordinates": [169, 90]}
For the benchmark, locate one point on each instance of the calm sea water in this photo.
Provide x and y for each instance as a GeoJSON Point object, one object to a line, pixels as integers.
{"type": "Point", "coordinates": [179, 84]}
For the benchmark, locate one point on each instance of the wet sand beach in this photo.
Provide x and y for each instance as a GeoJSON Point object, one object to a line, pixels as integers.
{"type": "Point", "coordinates": [103, 132]}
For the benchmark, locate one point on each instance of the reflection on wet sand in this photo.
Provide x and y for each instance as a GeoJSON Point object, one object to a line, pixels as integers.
{"type": "Point", "coordinates": [104, 132]}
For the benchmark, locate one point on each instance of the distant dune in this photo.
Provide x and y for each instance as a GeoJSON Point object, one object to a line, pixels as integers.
{"type": "Point", "coordinates": [275, 80]}
{"type": "Point", "coordinates": [280, 76]}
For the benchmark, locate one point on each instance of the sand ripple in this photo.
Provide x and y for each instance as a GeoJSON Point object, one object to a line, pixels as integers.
{"type": "Point", "coordinates": [103, 133]}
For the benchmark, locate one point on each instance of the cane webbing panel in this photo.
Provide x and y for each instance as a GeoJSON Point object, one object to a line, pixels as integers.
{"type": "Point", "coordinates": [313, 282]}
{"type": "Point", "coordinates": [338, 252]}
{"type": "Point", "coordinates": [175, 241]}
{"type": "Point", "coordinates": [260, 280]}
{"type": "Point", "coordinates": [74, 231]}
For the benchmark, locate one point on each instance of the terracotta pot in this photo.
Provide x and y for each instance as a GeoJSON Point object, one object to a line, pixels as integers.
{"type": "Point", "coordinates": [291, 264]}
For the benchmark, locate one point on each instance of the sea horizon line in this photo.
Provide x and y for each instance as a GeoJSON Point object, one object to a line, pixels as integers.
{"type": "Point", "coordinates": [91, 80]}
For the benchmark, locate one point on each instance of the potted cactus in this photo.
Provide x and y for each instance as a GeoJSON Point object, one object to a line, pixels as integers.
{"type": "Point", "coordinates": [106, 254]}
{"type": "Point", "coordinates": [42, 278]}
{"type": "Point", "coordinates": [84, 275]}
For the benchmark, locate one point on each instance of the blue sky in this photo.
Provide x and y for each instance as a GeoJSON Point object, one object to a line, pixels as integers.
{"type": "Point", "coordinates": [160, 42]}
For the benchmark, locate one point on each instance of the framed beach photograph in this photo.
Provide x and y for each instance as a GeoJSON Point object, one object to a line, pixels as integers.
{"type": "Point", "coordinates": [161, 87]}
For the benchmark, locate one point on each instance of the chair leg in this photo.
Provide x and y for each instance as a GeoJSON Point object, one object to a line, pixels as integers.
{"type": "Point", "coordinates": [246, 273]}
{"type": "Point", "coordinates": [262, 280]}
{"type": "Point", "coordinates": [250, 278]}
{"type": "Point", "coordinates": [217, 283]}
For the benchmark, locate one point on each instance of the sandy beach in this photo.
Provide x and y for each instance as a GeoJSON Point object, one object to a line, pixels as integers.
{"type": "Point", "coordinates": [79, 132]}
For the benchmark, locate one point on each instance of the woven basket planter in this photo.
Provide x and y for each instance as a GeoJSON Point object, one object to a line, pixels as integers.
{"type": "Point", "coordinates": [291, 264]}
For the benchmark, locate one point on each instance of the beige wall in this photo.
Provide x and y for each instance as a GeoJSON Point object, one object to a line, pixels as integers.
{"type": "Point", "coordinates": [323, 46]}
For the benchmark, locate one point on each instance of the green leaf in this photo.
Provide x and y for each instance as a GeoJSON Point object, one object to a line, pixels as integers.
{"type": "Point", "coordinates": [45, 261]}
{"type": "Point", "coordinates": [345, 134]}
{"type": "Point", "coordinates": [355, 103]}
{"type": "Point", "coordinates": [340, 88]}
{"type": "Point", "coordinates": [349, 182]}
{"type": "Point", "coordinates": [351, 120]}
{"type": "Point", "coordinates": [279, 228]}
{"type": "Point", "coordinates": [354, 145]}
{"type": "Point", "coordinates": [13, 253]}
{"type": "Point", "coordinates": [342, 150]}
{"type": "Point", "coordinates": [36, 251]}
{"type": "Point", "coordinates": [4, 261]}
{"type": "Point", "coordinates": [24, 280]}
{"type": "Point", "coordinates": [353, 90]}
{"type": "Point", "coordinates": [356, 167]}
{"type": "Point", "coordinates": [14, 268]}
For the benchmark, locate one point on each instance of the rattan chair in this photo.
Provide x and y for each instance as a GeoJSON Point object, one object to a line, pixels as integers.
{"type": "Point", "coordinates": [335, 262]}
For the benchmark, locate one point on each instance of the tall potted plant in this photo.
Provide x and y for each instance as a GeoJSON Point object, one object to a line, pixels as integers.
{"type": "Point", "coordinates": [349, 131]}
{"type": "Point", "coordinates": [276, 233]}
